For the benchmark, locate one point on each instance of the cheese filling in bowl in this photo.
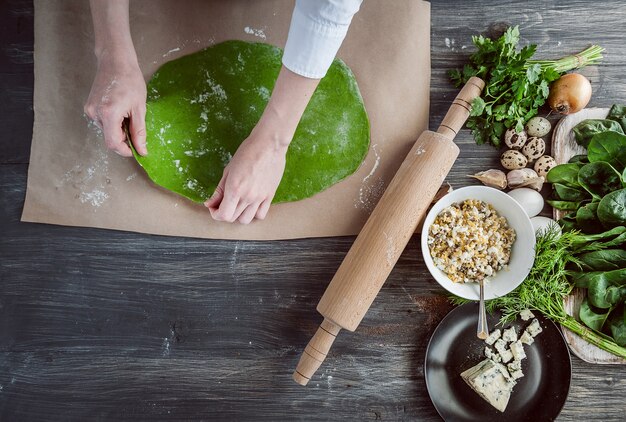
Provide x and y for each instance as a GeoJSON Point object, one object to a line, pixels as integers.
{"type": "Point", "coordinates": [465, 247]}
{"type": "Point", "coordinates": [470, 241]}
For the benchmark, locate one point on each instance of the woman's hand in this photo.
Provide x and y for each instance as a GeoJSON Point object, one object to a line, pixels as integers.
{"type": "Point", "coordinates": [119, 92]}
{"type": "Point", "coordinates": [251, 178]}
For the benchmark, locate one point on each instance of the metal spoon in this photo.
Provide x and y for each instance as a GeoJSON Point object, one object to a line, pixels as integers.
{"type": "Point", "coordinates": [482, 331]}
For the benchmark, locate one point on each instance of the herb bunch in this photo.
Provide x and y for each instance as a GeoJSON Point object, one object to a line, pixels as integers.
{"type": "Point", "coordinates": [515, 85]}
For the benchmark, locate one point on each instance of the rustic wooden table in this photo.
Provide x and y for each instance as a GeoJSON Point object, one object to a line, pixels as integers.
{"type": "Point", "coordinates": [105, 325]}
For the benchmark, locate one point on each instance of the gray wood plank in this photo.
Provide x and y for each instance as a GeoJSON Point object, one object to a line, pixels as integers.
{"type": "Point", "coordinates": [109, 325]}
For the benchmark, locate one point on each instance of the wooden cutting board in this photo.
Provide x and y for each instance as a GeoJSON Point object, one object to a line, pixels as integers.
{"type": "Point", "coordinates": [564, 146]}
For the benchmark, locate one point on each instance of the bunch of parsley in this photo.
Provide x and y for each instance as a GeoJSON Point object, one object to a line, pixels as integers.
{"type": "Point", "coordinates": [515, 87]}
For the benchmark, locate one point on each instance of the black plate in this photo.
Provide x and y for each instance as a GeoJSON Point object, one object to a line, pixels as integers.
{"type": "Point", "coordinates": [454, 347]}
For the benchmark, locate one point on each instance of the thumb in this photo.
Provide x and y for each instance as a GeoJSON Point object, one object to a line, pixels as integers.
{"type": "Point", "coordinates": [214, 201]}
{"type": "Point", "coordinates": [138, 129]}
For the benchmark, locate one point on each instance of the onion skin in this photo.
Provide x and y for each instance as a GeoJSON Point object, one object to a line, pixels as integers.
{"type": "Point", "coordinates": [570, 93]}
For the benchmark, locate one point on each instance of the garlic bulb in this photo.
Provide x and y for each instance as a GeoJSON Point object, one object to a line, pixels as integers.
{"type": "Point", "coordinates": [493, 178]}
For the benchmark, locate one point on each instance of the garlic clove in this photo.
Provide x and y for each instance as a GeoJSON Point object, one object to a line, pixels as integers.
{"type": "Point", "coordinates": [515, 178]}
{"type": "Point", "coordinates": [535, 183]}
{"type": "Point", "coordinates": [493, 178]}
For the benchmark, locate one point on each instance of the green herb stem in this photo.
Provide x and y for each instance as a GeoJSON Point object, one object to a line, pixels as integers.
{"type": "Point", "coordinates": [591, 336]}
{"type": "Point", "coordinates": [589, 56]}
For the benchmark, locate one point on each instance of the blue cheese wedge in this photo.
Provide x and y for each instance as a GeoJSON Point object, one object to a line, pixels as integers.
{"type": "Point", "coordinates": [491, 381]}
{"type": "Point", "coordinates": [534, 328]}
{"type": "Point", "coordinates": [526, 314]}
{"type": "Point", "coordinates": [495, 335]}
{"type": "Point", "coordinates": [509, 335]}
{"type": "Point", "coordinates": [517, 349]}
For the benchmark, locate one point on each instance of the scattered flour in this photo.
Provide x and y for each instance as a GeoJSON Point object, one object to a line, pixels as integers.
{"type": "Point", "coordinates": [96, 197]}
{"type": "Point", "coordinates": [371, 189]}
{"type": "Point", "coordinates": [256, 32]}
{"type": "Point", "coordinates": [131, 177]}
{"type": "Point", "coordinates": [91, 179]}
{"type": "Point", "coordinates": [173, 50]}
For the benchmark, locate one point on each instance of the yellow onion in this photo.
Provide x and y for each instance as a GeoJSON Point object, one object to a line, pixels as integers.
{"type": "Point", "coordinates": [570, 93]}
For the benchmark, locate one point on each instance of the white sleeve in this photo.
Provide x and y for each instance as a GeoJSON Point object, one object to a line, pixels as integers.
{"type": "Point", "coordinates": [317, 30]}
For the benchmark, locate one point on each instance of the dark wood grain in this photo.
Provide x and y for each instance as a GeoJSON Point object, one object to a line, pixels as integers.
{"type": "Point", "coordinates": [105, 325]}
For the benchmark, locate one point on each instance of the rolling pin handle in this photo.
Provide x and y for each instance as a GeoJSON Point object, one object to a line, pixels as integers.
{"type": "Point", "coordinates": [315, 352]}
{"type": "Point", "coordinates": [459, 111]}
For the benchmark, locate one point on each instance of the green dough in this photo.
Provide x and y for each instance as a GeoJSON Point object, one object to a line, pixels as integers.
{"type": "Point", "coordinates": [202, 106]}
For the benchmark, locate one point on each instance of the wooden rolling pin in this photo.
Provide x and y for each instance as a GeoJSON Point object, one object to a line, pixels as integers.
{"type": "Point", "coordinates": [387, 231]}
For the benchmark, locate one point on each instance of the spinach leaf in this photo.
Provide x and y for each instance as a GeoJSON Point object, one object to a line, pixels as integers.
{"type": "Point", "coordinates": [567, 193]}
{"type": "Point", "coordinates": [607, 288]}
{"type": "Point", "coordinates": [568, 222]}
{"type": "Point", "coordinates": [599, 178]}
{"type": "Point", "coordinates": [612, 209]}
{"type": "Point", "coordinates": [609, 147]}
{"type": "Point", "coordinates": [585, 130]}
{"type": "Point", "coordinates": [587, 218]}
{"type": "Point", "coordinates": [618, 113]}
{"type": "Point", "coordinates": [582, 279]}
{"type": "Point", "coordinates": [564, 205]}
{"type": "Point", "coordinates": [565, 174]}
{"type": "Point", "coordinates": [580, 158]}
{"type": "Point", "coordinates": [608, 237]}
{"type": "Point", "coordinates": [617, 325]}
{"type": "Point", "coordinates": [603, 260]}
{"type": "Point", "coordinates": [592, 317]}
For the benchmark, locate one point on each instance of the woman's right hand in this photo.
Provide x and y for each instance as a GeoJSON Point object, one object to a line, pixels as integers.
{"type": "Point", "coordinates": [119, 92]}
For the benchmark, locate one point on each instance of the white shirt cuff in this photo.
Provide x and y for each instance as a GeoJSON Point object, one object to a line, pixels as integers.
{"type": "Point", "coordinates": [315, 35]}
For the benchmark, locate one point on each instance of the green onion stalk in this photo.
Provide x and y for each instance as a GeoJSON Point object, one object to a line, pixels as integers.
{"type": "Point", "coordinates": [545, 288]}
{"type": "Point", "coordinates": [587, 57]}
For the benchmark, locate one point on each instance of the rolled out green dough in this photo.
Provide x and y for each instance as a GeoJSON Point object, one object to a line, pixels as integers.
{"type": "Point", "coordinates": [202, 106]}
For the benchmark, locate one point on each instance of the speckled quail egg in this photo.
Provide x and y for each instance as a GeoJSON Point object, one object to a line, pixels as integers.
{"type": "Point", "coordinates": [541, 224]}
{"type": "Point", "coordinates": [512, 159]}
{"type": "Point", "coordinates": [538, 127]}
{"type": "Point", "coordinates": [530, 200]}
{"type": "Point", "coordinates": [515, 140]}
{"type": "Point", "coordinates": [534, 148]}
{"type": "Point", "coordinates": [544, 164]}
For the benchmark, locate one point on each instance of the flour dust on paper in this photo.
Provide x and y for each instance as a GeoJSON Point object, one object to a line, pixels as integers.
{"type": "Point", "coordinates": [372, 186]}
{"type": "Point", "coordinates": [91, 179]}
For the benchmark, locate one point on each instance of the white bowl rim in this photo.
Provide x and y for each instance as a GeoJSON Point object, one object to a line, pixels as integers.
{"type": "Point", "coordinates": [506, 280]}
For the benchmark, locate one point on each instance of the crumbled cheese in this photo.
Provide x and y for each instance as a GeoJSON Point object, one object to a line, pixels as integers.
{"type": "Point", "coordinates": [500, 345]}
{"type": "Point", "coordinates": [516, 365]}
{"type": "Point", "coordinates": [509, 335]}
{"type": "Point", "coordinates": [517, 349]}
{"type": "Point", "coordinates": [526, 338]}
{"type": "Point", "coordinates": [526, 314]}
{"type": "Point", "coordinates": [495, 335]}
{"type": "Point", "coordinates": [517, 374]}
{"type": "Point", "coordinates": [534, 328]}
{"type": "Point", "coordinates": [506, 356]}
{"type": "Point", "coordinates": [490, 354]}
{"type": "Point", "coordinates": [469, 241]}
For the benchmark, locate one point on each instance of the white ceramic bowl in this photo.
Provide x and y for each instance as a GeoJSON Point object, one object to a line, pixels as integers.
{"type": "Point", "coordinates": [522, 252]}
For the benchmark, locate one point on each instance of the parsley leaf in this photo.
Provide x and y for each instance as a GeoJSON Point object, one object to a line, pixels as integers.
{"type": "Point", "coordinates": [514, 87]}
